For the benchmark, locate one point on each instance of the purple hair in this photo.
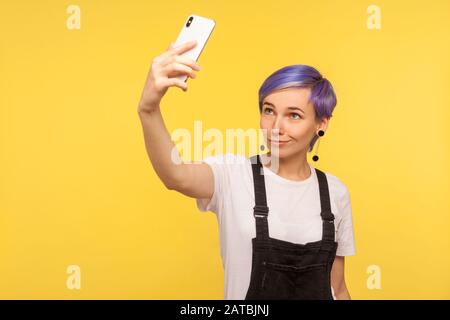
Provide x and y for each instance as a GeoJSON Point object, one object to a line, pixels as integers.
{"type": "Point", "coordinates": [302, 76]}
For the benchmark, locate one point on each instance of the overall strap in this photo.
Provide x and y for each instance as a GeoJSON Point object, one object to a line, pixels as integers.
{"type": "Point", "coordinates": [260, 210]}
{"type": "Point", "coordinates": [326, 214]}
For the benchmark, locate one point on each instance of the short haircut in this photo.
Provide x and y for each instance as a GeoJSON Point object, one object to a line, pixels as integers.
{"type": "Point", "coordinates": [322, 96]}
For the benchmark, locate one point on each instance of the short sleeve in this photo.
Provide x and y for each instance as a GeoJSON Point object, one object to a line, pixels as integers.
{"type": "Point", "coordinates": [345, 233]}
{"type": "Point", "coordinates": [215, 203]}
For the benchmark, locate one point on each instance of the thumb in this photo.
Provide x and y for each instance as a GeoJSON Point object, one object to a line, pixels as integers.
{"type": "Point", "coordinates": [170, 46]}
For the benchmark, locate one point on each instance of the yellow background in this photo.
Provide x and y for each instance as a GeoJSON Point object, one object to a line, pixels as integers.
{"type": "Point", "coordinates": [77, 188]}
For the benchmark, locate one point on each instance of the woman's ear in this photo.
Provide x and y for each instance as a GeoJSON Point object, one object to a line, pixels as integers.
{"type": "Point", "coordinates": [324, 124]}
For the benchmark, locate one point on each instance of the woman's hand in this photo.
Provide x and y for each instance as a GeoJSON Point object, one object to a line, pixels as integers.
{"type": "Point", "coordinates": [163, 72]}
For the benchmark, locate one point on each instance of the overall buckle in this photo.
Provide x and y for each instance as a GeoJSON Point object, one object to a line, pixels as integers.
{"type": "Point", "coordinates": [329, 216]}
{"type": "Point", "coordinates": [260, 211]}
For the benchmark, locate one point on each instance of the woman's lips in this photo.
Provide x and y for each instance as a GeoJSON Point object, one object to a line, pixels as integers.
{"type": "Point", "coordinates": [279, 143]}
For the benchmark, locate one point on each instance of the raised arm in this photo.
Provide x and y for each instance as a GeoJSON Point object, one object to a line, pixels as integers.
{"type": "Point", "coordinates": [194, 180]}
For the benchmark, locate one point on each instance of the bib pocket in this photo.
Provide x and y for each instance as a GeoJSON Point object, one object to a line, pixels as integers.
{"type": "Point", "coordinates": [284, 281]}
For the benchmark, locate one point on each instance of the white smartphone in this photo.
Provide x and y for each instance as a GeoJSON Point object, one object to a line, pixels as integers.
{"type": "Point", "coordinates": [195, 28]}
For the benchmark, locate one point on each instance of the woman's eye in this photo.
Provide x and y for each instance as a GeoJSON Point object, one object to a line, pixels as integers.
{"type": "Point", "coordinates": [294, 114]}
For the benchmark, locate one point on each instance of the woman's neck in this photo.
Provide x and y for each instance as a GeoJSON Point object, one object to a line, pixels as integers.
{"type": "Point", "coordinates": [295, 167]}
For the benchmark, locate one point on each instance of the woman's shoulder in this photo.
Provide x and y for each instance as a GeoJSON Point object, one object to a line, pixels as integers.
{"type": "Point", "coordinates": [336, 185]}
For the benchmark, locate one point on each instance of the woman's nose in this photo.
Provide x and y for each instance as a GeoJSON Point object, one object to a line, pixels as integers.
{"type": "Point", "coordinates": [278, 126]}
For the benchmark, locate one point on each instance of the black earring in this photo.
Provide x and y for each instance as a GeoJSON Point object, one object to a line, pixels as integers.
{"type": "Point", "coordinates": [320, 133]}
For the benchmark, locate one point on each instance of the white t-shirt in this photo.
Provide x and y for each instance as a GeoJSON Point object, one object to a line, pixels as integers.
{"type": "Point", "coordinates": [294, 214]}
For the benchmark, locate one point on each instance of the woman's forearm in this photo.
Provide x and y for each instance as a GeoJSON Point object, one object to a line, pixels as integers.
{"type": "Point", "coordinates": [342, 294]}
{"type": "Point", "coordinates": [159, 146]}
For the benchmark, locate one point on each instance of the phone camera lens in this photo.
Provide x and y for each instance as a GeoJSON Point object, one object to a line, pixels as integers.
{"type": "Point", "coordinates": [189, 21]}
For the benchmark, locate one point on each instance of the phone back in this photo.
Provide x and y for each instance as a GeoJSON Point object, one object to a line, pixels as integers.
{"type": "Point", "coordinates": [195, 28]}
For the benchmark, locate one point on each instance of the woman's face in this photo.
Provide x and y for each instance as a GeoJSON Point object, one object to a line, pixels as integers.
{"type": "Point", "coordinates": [287, 116]}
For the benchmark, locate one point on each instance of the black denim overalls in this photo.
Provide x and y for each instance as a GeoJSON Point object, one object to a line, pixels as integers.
{"type": "Point", "coordinates": [286, 270]}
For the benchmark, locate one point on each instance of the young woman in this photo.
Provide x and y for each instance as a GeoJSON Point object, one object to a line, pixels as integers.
{"type": "Point", "coordinates": [284, 233]}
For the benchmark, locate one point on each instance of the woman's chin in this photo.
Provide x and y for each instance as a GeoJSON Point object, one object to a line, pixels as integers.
{"type": "Point", "coordinates": [280, 152]}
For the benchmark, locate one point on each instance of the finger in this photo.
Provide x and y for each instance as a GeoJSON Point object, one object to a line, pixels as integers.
{"type": "Point", "coordinates": [176, 68]}
{"type": "Point", "coordinates": [188, 61]}
{"type": "Point", "coordinates": [175, 82]}
{"type": "Point", "coordinates": [184, 47]}
{"type": "Point", "coordinates": [173, 52]}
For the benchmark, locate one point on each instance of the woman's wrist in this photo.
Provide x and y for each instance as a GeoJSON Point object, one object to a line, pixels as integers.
{"type": "Point", "coordinates": [146, 110]}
